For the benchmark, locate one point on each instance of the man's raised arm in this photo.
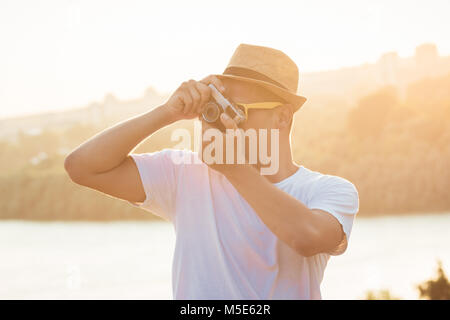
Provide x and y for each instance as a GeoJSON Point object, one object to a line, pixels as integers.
{"type": "Point", "coordinates": [103, 162]}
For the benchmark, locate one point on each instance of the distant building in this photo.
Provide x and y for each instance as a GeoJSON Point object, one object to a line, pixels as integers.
{"type": "Point", "coordinates": [389, 66]}
{"type": "Point", "coordinates": [390, 69]}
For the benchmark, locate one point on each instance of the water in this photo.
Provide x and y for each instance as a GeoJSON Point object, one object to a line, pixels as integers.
{"type": "Point", "coordinates": [132, 260]}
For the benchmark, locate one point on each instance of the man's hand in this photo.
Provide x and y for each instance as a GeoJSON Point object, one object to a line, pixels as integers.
{"type": "Point", "coordinates": [231, 128]}
{"type": "Point", "coordinates": [188, 100]}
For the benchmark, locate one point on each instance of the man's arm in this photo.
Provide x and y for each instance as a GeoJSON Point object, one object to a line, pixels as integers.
{"type": "Point", "coordinates": [103, 162]}
{"type": "Point", "coordinates": [307, 231]}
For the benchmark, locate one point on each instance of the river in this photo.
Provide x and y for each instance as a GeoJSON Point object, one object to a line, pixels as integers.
{"type": "Point", "coordinates": [132, 260]}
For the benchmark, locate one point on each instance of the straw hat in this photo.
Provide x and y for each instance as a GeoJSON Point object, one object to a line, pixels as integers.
{"type": "Point", "coordinates": [268, 68]}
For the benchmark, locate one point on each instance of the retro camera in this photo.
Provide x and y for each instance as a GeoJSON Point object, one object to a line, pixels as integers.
{"type": "Point", "coordinates": [217, 105]}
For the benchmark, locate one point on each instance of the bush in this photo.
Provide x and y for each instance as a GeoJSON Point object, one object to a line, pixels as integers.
{"type": "Point", "coordinates": [436, 289]}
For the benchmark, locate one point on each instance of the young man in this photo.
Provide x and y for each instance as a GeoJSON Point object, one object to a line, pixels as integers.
{"type": "Point", "coordinates": [239, 234]}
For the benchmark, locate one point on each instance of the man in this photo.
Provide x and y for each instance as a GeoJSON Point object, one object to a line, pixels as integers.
{"type": "Point", "coordinates": [239, 234]}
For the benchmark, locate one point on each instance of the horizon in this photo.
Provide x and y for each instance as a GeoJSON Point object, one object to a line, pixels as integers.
{"type": "Point", "coordinates": [82, 51]}
{"type": "Point", "coordinates": [161, 93]}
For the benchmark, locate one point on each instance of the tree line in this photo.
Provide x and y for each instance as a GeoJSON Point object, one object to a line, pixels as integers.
{"type": "Point", "coordinates": [393, 145]}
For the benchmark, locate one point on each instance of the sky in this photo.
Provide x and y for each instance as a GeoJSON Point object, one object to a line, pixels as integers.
{"type": "Point", "coordinates": [62, 54]}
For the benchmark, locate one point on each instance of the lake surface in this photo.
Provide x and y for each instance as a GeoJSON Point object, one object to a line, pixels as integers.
{"type": "Point", "coordinates": [132, 260]}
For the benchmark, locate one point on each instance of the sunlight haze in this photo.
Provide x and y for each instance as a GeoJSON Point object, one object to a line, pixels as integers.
{"type": "Point", "coordinates": [63, 54]}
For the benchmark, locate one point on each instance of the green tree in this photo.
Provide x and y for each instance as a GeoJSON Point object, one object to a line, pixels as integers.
{"type": "Point", "coordinates": [371, 114]}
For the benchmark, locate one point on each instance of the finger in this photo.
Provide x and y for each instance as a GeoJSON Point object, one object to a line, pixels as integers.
{"type": "Point", "coordinates": [227, 122]}
{"type": "Point", "coordinates": [236, 133]}
{"type": "Point", "coordinates": [205, 94]}
{"type": "Point", "coordinates": [187, 99]}
{"type": "Point", "coordinates": [195, 95]}
{"type": "Point", "coordinates": [211, 79]}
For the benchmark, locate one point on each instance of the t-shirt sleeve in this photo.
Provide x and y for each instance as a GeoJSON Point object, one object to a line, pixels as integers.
{"type": "Point", "coordinates": [159, 174]}
{"type": "Point", "coordinates": [338, 197]}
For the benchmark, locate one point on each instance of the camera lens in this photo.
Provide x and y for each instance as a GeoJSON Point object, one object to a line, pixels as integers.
{"type": "Point", "coordinates": [211, 112]}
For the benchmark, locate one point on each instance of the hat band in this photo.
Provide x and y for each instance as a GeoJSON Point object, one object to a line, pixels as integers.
{"type": "Point", "coordinates": [252, 74]}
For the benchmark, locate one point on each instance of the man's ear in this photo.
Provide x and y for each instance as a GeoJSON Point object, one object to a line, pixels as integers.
{"type": "Point", "coordinates": [283, 116]}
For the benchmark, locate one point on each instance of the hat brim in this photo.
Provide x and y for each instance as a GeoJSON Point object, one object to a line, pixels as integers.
{"type": "Point", "coordinates": [296, 100]}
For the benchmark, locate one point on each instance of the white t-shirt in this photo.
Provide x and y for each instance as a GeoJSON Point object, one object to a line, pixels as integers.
{"type": "Point", "coordinates": [223, 250]}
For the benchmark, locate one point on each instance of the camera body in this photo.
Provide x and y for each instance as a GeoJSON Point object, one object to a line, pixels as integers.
{"type": "Point", "coordinates": [217, 105]}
